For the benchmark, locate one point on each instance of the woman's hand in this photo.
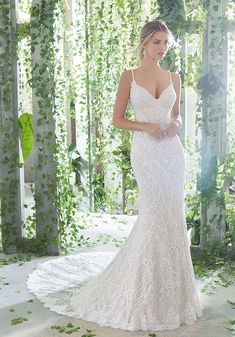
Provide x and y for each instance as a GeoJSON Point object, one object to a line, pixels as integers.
{"type": "Point", "coordinates": [155, 130]}
{"type": "Point", "coordinates": [172, 128]}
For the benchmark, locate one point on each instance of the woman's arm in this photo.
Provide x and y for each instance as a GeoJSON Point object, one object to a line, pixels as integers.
{"type": "Point", "coordinates": [122, 97]}
{"type": "Point", "coordinates": [175, 112]}
{"type": "Point", "coordinates": [176, 121]}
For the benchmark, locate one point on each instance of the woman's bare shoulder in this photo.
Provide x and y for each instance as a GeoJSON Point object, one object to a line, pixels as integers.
{"type": "Point", "coordinates": [175, 76]}
{"type": "Point", "coordinates": [126, 75]}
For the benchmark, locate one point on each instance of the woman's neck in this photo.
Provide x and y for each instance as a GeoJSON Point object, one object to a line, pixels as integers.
{"type": "Point", "coordinates": [149, 64]}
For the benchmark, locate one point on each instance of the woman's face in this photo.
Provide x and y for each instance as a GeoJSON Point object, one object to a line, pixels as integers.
{"type": "Point", "coordinates": [158, 45]}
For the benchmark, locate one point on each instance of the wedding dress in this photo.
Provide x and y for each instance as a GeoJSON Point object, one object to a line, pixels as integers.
{"type": "Point", "coordinates": [149, 284]}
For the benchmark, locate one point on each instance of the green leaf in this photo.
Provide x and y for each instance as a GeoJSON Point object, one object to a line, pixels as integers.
{"type": "Point", "coordinates": [69, 325]}
{"type": "Point", "coordinates": [26, 127]}
{"type": "Point", "coordinates": [232, 304]}
{"type": "Point", "coordinates": [62, 329]}
{"type": "Point", "coordinates": [72, 330]}
{"type": "Point", "coordinates": [18, 320]}
{"type": "Point", "coordinates": [88, 334]}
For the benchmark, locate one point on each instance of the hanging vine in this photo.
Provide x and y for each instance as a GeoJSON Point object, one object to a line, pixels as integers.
{"type": "Point", "coordinates": [110, 40]}
{"type": "Point", "coordinates": [9, 156]}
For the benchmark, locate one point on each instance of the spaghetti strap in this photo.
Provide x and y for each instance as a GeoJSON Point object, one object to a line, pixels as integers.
{"type": "Point", "coordinates": [132, 75]}
{"type": "Point", "coordinates": [169, 76]}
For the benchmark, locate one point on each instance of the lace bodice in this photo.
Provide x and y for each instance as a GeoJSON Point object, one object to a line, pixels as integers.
{"type": "Point", "coordinates": [148, 108]}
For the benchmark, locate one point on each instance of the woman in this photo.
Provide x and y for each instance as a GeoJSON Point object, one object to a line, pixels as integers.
{"type": "Point", "coordinates": [149, 284]}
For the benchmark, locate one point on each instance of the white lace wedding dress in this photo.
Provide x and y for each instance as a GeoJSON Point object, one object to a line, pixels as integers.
{"type": "Point", "coordinates": [149, 284]}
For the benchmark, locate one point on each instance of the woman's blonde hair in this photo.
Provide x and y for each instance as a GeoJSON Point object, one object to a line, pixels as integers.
{"type": "Point", "coordinates": [148, 30]}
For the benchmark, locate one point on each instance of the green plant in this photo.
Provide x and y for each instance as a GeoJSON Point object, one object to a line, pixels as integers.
{"type": "Point", "coordinates": [26, 126]}
{"type": "Point", "coordinates": [79, 166]}
{"type": "Point", "coordinates": [69, 328]}
{"type": "Point", "coordinates": [19, 320]}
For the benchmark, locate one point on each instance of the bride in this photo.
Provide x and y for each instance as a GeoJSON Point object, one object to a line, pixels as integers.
{"type": "Point", "coordinates": [149, 284]}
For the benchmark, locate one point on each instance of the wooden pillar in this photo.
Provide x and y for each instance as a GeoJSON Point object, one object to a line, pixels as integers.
{"type": "Point", "coordinates": [214, 121]}
{"type": "Point", "coordinates": [11, 173]}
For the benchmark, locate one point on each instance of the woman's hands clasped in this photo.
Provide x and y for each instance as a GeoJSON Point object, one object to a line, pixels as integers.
{"type": "Point", "coordinates": [172, 128]}
{"type": "Point", "coordinates": [155, 130]}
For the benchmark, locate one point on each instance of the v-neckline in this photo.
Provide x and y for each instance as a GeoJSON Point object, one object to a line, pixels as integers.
{"type": "Point", "coordinates": [156, 99]}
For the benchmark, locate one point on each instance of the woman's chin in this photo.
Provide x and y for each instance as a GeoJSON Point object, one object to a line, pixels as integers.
{"type": "Point", "coordinates": [159, 57]}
